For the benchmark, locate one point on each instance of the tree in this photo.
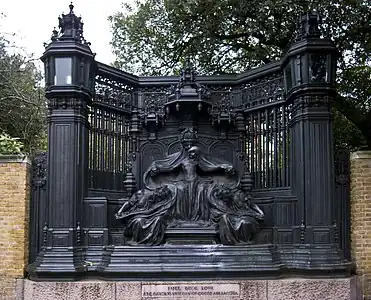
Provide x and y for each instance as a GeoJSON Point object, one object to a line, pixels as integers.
{"type": "Point", "coordinates": [22, 103]}
{"type": "Point", "coordinates": [225, 36]}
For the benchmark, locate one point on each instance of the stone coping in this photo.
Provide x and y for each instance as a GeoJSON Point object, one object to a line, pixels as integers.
{"type": "Point", "coordinates": [364, 154]}
{"type": "Point", "coordinates": [15, 159]}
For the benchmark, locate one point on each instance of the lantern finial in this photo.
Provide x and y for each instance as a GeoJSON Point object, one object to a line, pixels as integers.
{"type": "Point", "coordinates": [308, 25]}
{"type": "Point", "coordinates": [71, 28]}
{"type": "Point", "coordinates": [71, 8]}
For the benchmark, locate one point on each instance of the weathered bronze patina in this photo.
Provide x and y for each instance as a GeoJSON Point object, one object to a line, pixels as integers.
{"type": "Point", "coordinates": [190, 189]}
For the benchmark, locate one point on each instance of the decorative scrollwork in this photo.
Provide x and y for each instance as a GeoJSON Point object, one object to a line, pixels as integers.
{"type": "Point", "coordinates": [304, 102]}
{"type": "Point", "coordinates": [153, 116]}
{"type": "Point", "coordinates": [342, 166]}
{"type": "Point", "coordinates": [78, 105]}
{"type": "Point", "coordinates": [157, 95]}
{"type": "Point", "coordinates": [222, 113]}
{"type": "Point", "coordinates": [113, 93]}
{"type": "Point", "coordinates": [39, 171]}
{"type": "Point", "coordinates": [219, 93]}
{"type": "Point", "coordinates": [262, 91]}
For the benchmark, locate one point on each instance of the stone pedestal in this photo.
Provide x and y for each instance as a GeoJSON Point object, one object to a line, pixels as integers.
{"type": "Point", "coordinates": [285, 289]}
{"type": "Point", "coordinates": [360, 203]}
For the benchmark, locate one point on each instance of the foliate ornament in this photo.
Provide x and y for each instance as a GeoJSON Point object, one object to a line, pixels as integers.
{"type": "Point", "coordinates": [149, 94]}
{"type": "Point", "coordinates": [262, 91]}
{"type": "Point", "coordinates": [153, 117]}
{"type": "Point", "coordinates": [309, 101]}
{"type": "Point", "coordinates": [113, 93]}
{"type": "Point", "coordinates": [76, 104]}
{"type": "Point", "coordinates": [342, 165]}
{"type": "Point", "coordinates": [39, 170]}
{"type": "Point", "coordinates": [222, 114]}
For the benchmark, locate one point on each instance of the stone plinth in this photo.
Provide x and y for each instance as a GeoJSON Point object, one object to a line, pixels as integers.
{"type": "Point", "coordinates": [360, 198]}
{"type": "Point", "coordinates": [281, 289]}
{"type": "Point", "coordinates": [14, 222]}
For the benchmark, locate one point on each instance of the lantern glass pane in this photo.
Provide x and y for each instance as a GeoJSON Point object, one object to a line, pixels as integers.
{"type": "Point", "coordinates": [63, 71]}
{"type": "Point", "coordinates": [318, 68]}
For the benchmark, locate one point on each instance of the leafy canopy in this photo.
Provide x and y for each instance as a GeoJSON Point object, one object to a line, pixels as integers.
{"type": "Point", "coordinates": [153, 37]}
{"type": "Point", "coordinates": [22, 102]}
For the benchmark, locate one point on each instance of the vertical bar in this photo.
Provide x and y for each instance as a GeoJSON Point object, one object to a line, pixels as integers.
{"type": "Point", "coordinates": [267, 141]}
{"type": "Point", "coordinates": [127, 144]}
{"type": "Point", "coordinates": [117, 153]}
{"type": "Point", "coordinates": [109, 152]}
{"type": "Point", "coordinates": [284, 150]}
{"type": "Point", "coordinates": [96, 122]}
{"type": "Point", "coordinates": [252, 146]}
{"type": "Point", "coordinates": [260, 150]}
{"type": "Point", "coordinates": [123, 147]}
{"type": "Point", "coordinates": [276, 150]}
{"type": "Point", "coordinates": [101, 150]}
{"type": "Point", "coordinates": [119, 147]}
{"type": "Point", "coordinates": [105, 150]}
{"type": "Point", "coordinates": [90, 151]}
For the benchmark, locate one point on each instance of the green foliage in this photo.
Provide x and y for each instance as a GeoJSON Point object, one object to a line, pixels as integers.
{"type": "Point", "coordinates": [354, 102]}
{"type": "Point", "coordinates": [226, 35]}
{"type": "Point", "coordinates": [22, 102]}
{"type": "Point", "coordinates": [346, 134]}
{"type": "Point", "coordinates": [9, 145]}
{"type": "Point", "coordinates": [153, 37]}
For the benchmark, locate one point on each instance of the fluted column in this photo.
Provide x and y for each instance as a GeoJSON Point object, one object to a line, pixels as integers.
{"type": "Point", "coordinates": [313, 164]}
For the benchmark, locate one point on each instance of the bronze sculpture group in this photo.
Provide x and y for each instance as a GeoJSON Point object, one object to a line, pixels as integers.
{"type": "Point", "coordinates": [190, 189]}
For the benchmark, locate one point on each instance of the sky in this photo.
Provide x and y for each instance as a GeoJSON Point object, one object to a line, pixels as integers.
{"type": "Point", "coordinates": [32, 21]}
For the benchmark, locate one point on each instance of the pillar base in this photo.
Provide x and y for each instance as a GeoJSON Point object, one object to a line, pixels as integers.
{"type": "Point", "coordinates": [61, 264]}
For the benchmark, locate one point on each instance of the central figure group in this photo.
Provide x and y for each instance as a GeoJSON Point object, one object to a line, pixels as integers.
{"type": "Point", "coordinates": [190, 189]}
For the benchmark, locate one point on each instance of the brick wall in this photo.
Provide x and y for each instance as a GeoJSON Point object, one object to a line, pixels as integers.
{"type": "Point", "coordinates": [361, 218]}
{"type": "Point", "coordinates": [14, 222]}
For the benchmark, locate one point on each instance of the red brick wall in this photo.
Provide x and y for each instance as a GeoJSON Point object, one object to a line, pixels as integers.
{"type": "Point", "coordinates": [361, 217]}
{"type": "Point", "coordinates": [14, 222]}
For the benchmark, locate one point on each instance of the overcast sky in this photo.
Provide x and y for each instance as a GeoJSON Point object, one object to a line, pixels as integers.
{"type": "Point", "coordinates": [33, 21]}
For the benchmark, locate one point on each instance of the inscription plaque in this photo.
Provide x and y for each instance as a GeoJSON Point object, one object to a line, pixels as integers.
{"type": "Point", "coordinates": [191, 291]}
